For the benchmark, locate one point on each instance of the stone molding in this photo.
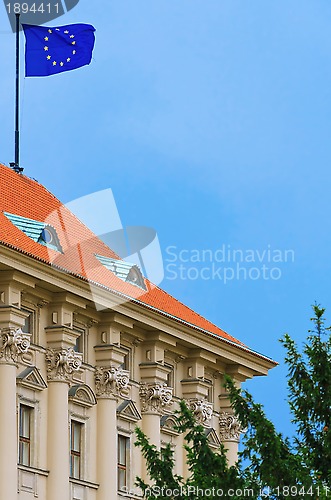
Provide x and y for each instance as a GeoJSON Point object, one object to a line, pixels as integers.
{"type": "Point", "coordinates": [230, 427]}
{"type": "Point", "coordinates": [202, 410]}
{"type": "Point", "coordinates": [62, 364]}
{"type": "Point", "coordinates": [112, 382]}
{"type": "Point", "coordinates": [155, 398]}
{"type": "Point", "coordinates": [82, 395]}
{"type": "Point", "coordinates": [14, 343]}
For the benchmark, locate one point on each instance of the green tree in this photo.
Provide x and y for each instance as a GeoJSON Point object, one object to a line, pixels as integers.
{"type": "Point", "coordinates": [269, 465]}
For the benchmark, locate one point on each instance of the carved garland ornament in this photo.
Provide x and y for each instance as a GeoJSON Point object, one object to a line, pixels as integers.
{"type": "Point", "coordinates": [13, 344]}
{"type": "Point", "coordinates": [230, 427]}
{"type": "Point", "coordinates": [62, 363]}
{"type": "Point", "coordinates": [202, 410]}
{"type": "Point", "coordinates": [112, 382]}
{"type": "Point", "coordinates": [155, 397]}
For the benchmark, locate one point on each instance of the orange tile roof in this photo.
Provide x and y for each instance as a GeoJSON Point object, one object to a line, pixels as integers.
{"type": "Point", "coordinates": [25, 197]}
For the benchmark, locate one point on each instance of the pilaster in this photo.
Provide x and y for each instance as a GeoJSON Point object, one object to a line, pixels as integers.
{"type": "Point", "coordinates": [13, 344]}
{"type": "Point", "coordinates": [62, 362]}
{"type": "Point", "coordinates": [155, 395]}
{"type": "Point", "coordinates": [229, 425]}
{"type": "Point", "coordinates": [111, 385]}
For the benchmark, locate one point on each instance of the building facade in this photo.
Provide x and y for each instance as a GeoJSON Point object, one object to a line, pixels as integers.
{"type": "Point", "coordinates": [89, 350]}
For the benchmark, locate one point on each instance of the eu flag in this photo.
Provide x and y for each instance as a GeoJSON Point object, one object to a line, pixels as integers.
{"type": "Point", "coordinates": [54, 50]}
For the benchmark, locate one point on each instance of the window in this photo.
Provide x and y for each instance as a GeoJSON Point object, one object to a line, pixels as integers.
{"type": "Point", "coordinates": [38, 231]}
{"type": "Point", "coordinates": [76, 449]}
{"type": "Point", "coordinates": [49, 238]}
{"type": "Point", "coordinates": [25, 423]}
{"type": "Point", "coordinates": [170, 375]}
{"type": "Point", "coordinates": [209, 390]}
{"type": "Point", "coordinates": [126, 361]}
{"type": "Point", "coordinates": [123, 460]}
{"type": "Point", "coordinates": [79, 346]}
{"type": "Point", "coordinates": [124, 270]}
{"type": "Point", "coordinates": [46, 236]}
{"type": "Point", "coordinates": [28, 326]}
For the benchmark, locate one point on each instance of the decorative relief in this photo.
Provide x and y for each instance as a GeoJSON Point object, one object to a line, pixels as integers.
{"type": "Point", "coordinates": [14, 343]}
{"type": "Point", "coordinates": [155, 397]}
{"type": "Point", "coordinates": [62, 363]}
{"type": "Point", "coordinates": [32, 379]}
{"type": "Point", "coordinates": [230, 427]}
{"type": "Point", "coordinates": [202, 410]}
{"type": "Point", "coordinates": [112, 382]}
{"type": "Point", "coordinates": [82, 395]}
{"type": "Point", "coordinates": [127, 410]}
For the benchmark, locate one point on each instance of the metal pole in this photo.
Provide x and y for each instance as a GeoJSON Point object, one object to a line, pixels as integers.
{"type": "Point", "coordinates": [16, 164]}
{"type": "Point", "coordinates": [17, 107]}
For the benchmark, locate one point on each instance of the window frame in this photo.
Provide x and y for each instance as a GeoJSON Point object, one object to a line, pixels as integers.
{"type": "Point", "coordinates": [76, 453]}
{"type": "Point", "coordinates": [31, 318]}
{"type": "Point", "coordinates": [25, 440]}
{"type": "Point", "coordinates": [123, 466]}
{"type": "Point", "coordinates": [127, 363]}
{"type": "Point", "coordinates": [80, 345]}
{"type": "Point", "coordinates": [170, 375]}
{"type": "Point", "coordinates": [210, 389]}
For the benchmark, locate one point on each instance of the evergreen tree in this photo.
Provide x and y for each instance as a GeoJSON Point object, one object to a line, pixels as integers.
{"type": "Point", "coordinates": [270, 465]}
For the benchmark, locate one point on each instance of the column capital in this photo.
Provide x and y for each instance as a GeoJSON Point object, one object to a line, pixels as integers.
{"type": "Point", "coordinates": [13, 343]}
{"type": "Point", "coordinates": [111, 382]}
{"type": "Point", "coordinates": [202, 410]}
{"type": "Point", "coordinates": [62, 364]}
{"type": "Point", "coordinates": [155, 398]}
{"type": "Point", "coordinates": [230, 427]}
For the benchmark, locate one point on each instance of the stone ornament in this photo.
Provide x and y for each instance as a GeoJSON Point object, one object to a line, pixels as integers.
{"type": "Point", "coordinates": [230, 427]}
{"type": "Point", "coordinates": [112, 382]}
{"type": "Point", "coordinates": [201, 409]}
{"type": "Point", "coordinates": [155, 397]}
{"type": "Point", "coordinates": [14, 343]}
{"type": "Point", "coordinates": [62, 363]}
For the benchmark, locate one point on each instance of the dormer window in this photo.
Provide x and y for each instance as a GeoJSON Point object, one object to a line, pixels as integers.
{"type": "Point", "coordinates": [40, 232]}
{"type": "Point", "coordinates": [49, 238]}
{"type": "Point", "coordinates": [46, 235]}
{"type": "Point", "coordinates": [124, 270]}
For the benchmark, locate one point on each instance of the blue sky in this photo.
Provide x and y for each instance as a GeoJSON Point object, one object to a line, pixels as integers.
{"type": "Point", "coordinates": [210, 121]}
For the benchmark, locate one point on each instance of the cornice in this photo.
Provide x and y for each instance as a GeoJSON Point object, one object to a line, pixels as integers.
{"type": "Point", "coordinates": [228, 350]}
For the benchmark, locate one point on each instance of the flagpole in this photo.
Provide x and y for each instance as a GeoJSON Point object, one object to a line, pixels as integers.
{"type": "Point", "coordinates": [16, 164]}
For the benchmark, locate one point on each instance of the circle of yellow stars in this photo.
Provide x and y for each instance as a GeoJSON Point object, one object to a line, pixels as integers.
{"type": "Point", "coordinates": [47, 48]}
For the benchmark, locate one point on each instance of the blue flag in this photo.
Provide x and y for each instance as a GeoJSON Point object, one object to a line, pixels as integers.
{"type": "Point", "coordinates": [53, 50]}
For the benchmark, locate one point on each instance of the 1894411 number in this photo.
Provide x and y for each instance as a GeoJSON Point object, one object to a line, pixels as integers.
{"type": "Point", "coordinates": [41, 8]}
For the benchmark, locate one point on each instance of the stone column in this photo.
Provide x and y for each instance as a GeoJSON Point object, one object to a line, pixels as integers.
{"type": "Point", "coordinates": [13, 343]}
{"type": "Point", "coordinates": [155, 398]}
{"type": "Point", "coordinates": [195, 391]}
{"type": "Point", "coordinates": [230, 430]}
{"type": "Point", "coordinates": [111, 384]}
{"type": "Point", "coordinates": [61, 365]}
